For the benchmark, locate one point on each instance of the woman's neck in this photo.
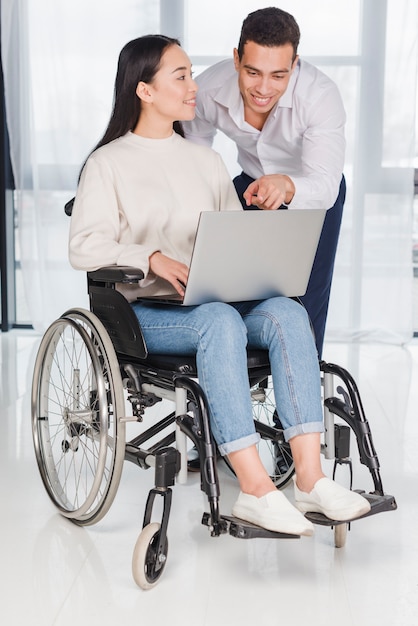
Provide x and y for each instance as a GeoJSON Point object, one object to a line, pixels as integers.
{"type": "Point", "coordinates": [153, 129]}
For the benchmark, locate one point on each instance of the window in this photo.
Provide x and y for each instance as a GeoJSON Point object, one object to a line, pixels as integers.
{"type": "Point", "coordinates": [66, 75]}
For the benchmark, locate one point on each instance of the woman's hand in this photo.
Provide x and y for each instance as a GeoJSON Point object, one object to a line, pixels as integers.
{"type": "Point", "coordinates": [174, 272]}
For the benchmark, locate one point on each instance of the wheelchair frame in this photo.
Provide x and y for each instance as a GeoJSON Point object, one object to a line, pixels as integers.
{"type": "Point", "coordinates": [85, 361]}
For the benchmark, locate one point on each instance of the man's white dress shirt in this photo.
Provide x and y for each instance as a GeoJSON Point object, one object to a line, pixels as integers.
{"type": "Point", "coordinates": [302, 137]}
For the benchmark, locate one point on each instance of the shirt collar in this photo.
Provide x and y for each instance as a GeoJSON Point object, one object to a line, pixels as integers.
{"type": "Point", "coordinates": [228, 95]}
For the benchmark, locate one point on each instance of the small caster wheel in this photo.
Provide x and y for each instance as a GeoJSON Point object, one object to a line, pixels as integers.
{"type": "Point", "coordinates": [340, 535]}
{"type": "Point", "coordinates": [145, 558]}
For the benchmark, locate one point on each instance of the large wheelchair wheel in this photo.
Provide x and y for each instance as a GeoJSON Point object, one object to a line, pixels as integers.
{"type": "Point", "coordinates": [274, 451]}
{"type": "Point", "coordinates": [77, 402]}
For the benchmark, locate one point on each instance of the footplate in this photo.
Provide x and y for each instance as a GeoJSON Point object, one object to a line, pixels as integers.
{"type": "Point", "coordinates": [245, 530]}
{"type": "Point", "coordinates": [378, 504]}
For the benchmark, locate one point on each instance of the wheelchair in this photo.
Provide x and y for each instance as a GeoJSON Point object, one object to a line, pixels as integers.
{"type": "Point", "coordinates": [93, 375]}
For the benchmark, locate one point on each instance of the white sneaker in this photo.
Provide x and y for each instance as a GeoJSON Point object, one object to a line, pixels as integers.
{"type": "Point", "coordinates": [273, 512]}
{"type": "Point", "coordinates": [332, 500]}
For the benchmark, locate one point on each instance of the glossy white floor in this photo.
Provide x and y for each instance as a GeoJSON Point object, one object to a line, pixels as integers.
{"type": "Point", "coordinates": [55, 573]}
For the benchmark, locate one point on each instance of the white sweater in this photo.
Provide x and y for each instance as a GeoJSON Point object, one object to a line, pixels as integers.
{"type": "Point", "coordinates": [137, 196]}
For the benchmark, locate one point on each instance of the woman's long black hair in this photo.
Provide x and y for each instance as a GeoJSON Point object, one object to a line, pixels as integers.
{"type": "Point", "coordinates": [139, 60]}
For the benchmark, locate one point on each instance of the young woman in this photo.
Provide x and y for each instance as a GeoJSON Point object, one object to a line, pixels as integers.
{"type": "Point", "coordinates": [139, 198]}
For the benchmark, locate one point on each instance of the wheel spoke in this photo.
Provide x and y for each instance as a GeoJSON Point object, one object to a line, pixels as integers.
{"type": "Point", "coordinates": [77, 395]}
{"type": "Point", "coordinates": [274, 451]}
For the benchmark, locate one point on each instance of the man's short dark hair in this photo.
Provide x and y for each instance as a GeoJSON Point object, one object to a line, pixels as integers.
{"type": "Point", "coordinates": [269, 27]}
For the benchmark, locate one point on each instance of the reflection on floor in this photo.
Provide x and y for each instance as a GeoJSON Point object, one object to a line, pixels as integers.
{"type": "Point", "coordinates": [55, 573]}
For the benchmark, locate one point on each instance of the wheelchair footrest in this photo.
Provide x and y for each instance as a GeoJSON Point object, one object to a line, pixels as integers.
{"type": "Point", "coordinates": [245, 530]}
{"type": "Point", "coordinates": [378, 504]}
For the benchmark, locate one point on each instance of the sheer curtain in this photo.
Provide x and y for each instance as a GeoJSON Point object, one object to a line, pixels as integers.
{"type": "Point", "coordinates": [59, 61]}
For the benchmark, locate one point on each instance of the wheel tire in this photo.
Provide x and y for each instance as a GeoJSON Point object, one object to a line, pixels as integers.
{"type": "Point", "coordinates": [77, 402]}
{"type": "Point", "coordinates": [144, 557]}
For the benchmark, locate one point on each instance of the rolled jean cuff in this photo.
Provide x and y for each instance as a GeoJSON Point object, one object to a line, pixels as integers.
{"type": "Point", "coordinates": [239, 444]}
{"type": "Point", "coordinates": [303, 429]}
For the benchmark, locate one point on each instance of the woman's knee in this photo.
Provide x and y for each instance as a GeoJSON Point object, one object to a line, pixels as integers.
{"type": "Point", "coordinates": [299, 312]}
{"type": "Point", "coordinates": [286, 311]}
{"type": "Point", "coordinates": [224, 322]}
{"type": "Point", "coordinates": [278, 319]}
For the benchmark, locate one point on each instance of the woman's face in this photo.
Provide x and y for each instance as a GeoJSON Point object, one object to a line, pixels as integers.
{"type": "Point", "coordinates": [173, 89]}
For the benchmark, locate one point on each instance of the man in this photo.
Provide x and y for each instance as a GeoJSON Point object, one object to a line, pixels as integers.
{"type": "Point", "coordinates": [287, 120]}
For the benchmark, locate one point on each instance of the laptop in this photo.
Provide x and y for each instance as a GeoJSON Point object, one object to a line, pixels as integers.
{"type": "Point", "coordinates": [250, 255]}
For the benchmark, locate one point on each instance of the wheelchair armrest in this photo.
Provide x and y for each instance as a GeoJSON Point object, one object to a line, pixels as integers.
{"type": "Point", "coordinates": [68, 208]}
{"type": "Point", "coordinates": [116, 274]}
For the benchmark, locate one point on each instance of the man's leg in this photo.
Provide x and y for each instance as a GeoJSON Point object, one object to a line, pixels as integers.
{"type": "Point", "coordinates": [317, 295]}
{"type": "Point", "coordinates": [241, 183]}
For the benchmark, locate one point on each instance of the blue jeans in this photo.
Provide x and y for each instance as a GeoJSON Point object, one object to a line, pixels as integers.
{"type": "Point", "coordinates": [218, 334]}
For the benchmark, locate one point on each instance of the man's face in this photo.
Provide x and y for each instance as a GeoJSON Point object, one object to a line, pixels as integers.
{"type": "Point", "coordinates": [263, 76]}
